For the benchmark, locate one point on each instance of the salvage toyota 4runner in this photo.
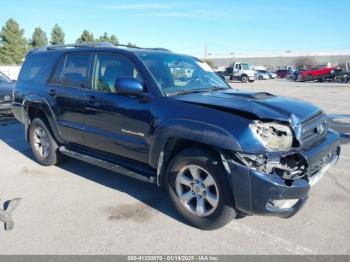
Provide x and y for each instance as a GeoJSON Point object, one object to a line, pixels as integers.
{"type": "Point", "coordinates": [170, 120]}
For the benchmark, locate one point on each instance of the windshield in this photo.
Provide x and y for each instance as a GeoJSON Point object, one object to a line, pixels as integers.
{"type": "Point", "coordinates": [181, 74]}
{"type": "Point", "coordinates": [4, 79]}
{"type": "Point", "coordinates": [245, 66]}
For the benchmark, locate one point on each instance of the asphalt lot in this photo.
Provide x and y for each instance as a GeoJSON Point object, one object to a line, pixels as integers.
{"type": "Point", "coordinates": [77, 208]}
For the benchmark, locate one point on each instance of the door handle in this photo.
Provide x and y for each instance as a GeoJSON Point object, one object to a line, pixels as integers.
{"type": "Point", "coordinates": [52, 92]}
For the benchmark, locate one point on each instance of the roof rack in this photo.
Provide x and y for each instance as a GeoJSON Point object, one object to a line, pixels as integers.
{"type": "Point", "coordinates": [93, 45]}
{"type": "Point", "coordinates": [82, 45]}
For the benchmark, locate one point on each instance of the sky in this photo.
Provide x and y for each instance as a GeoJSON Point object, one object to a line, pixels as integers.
{"type": "Point", "coordinates": [187, 26]}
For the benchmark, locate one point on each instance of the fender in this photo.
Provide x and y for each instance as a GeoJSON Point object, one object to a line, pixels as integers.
{"type": "Point", "coordinates": [39, 102]}
{"type": "Point", "coordinates": [196, 131]}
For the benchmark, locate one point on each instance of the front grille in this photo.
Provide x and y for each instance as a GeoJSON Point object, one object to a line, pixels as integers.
{"type": "Point", "coordinates": [316, 167]}
{"type": "Point", "coordinates": [314, 129]}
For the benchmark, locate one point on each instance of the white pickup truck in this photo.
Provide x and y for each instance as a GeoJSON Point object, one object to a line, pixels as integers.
{"type": "Point", "coordinates": [238, 71]}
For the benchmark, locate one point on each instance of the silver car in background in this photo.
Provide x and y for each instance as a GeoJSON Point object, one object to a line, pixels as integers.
{"type": "Point", "coordinates": [262, 75]}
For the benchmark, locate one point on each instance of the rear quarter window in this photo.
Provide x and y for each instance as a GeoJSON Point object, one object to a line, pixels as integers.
{"type": "Point", "coordinates": [37, 67]}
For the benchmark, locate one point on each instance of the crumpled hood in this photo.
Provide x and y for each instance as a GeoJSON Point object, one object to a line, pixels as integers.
{"type": "Point", "coordinates": [260, 105]}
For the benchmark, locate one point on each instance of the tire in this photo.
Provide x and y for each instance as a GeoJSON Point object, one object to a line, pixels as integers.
{"type": "Point", "coordinates": [214, 214]}
{"type": "Point", "coordinates": [46, 154]}
{"type": "Point", "coordinates": [244, 79]}
{"type": "Point", "coordinates": [261, 78]}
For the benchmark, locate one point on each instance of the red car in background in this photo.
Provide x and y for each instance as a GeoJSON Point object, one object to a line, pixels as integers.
{"type": "Point", "coordinates": [318, 73]}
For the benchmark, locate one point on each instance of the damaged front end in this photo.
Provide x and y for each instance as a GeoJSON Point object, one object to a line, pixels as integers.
{"type": "Point", "coordinates": [279, 180]}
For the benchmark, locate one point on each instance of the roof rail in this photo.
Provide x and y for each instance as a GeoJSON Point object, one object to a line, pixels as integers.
{"type": "Point", "coordinates": [82, 45]}
{"type": "Point", "coordinates": [92, 45]}
{"type": "Point", "coordinates": [147, 48]}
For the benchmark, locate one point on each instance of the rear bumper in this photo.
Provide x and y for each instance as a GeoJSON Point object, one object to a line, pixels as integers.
{"type": "Point", "coordinates": [258, 193]}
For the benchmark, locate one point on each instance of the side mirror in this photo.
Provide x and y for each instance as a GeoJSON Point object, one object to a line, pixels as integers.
{"type": "Point", "coordinates": [128, 86]}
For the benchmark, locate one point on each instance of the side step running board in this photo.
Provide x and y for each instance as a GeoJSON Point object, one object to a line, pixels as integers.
{"type": "Point", "coordinates": [107, 165]}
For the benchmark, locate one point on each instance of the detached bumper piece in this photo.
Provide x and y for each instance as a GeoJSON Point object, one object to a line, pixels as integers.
{"type": "Point", "coordinates": [257, 192]}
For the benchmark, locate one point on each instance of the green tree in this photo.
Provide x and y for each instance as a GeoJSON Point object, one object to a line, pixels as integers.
{"type": "Point", "coordinates": [105, 38]}
{"type": "Point", "coordinates": [114, 40]}
{"type": "Point", "coordinates": [39, 38]}
{"type": "Point", "coordinates": [86, 37]}
{"type": "Point", "coordinates": [131, 44]}
{"type": "Point", "coordinates": [57, 35]}
{"type": "Point", "coordinates": [13, 45]}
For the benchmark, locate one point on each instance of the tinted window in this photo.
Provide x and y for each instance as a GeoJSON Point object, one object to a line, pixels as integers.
{"type": "Point", "coordinates": [37, 67]}
{"type": "Point", "coordinates": [72, 71]}
{"type": "Point", "coordinates": [108, 68]}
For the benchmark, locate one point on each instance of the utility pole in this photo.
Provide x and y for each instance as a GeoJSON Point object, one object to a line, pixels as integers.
{"type": "Point", "coordinates": [205, 51]}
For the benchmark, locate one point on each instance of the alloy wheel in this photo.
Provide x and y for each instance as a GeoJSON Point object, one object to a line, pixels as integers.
{"type": "Point", "coordinates": [41, 142]}
{"type": "Point", "coordinates": [197, 190]}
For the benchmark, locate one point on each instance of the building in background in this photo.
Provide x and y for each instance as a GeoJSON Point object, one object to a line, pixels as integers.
{"type": "Point", "coordinates": [278, 60]}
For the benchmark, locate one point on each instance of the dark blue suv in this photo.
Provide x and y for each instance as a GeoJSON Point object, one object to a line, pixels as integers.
{"type": "Point", "coordinates": [170, 120]}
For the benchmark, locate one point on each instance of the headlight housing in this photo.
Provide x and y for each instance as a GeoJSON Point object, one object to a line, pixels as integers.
{"type": "Point", "coordinates": [274, 136]}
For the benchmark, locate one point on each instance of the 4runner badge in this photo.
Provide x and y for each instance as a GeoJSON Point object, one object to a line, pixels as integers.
{"type": "Point", "coordinates": [133, 132]}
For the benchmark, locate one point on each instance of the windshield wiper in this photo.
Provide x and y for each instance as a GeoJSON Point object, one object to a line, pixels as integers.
{"type": "Point", "coordinates": [189, 91]}
{"type": "Point", "coordinates": [216, 88]}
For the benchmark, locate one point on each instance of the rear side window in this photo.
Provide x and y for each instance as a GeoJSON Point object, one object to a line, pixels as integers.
{"type": "Point", "coordinates": [37, 67]}
{"type": "Point", "coordinates": [72, 71]}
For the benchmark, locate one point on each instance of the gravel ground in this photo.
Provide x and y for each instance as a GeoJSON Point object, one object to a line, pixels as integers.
{"type": "Point", "coordinates": [77, 208]}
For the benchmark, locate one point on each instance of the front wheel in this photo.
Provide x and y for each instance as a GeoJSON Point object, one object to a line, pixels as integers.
{"type": "Point", "coordinates": [244, 79]}
{"type": "Point", "coordinates": [198, 189]}
{"type": "Point", "coordinates": [43, 145]}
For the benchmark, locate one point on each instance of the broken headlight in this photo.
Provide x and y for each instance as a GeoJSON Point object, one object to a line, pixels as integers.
{"type": "Point", "coordinates": [274, 136]}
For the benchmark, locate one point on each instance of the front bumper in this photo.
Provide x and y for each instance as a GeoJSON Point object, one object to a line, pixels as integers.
{"type": "Point", "coordinates": [251, 78]}
{"type": "Point", "coordinates": [257, 193]}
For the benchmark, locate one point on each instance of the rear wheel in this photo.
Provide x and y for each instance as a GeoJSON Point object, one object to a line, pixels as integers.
{"type": "Point", "coordinates": [198, 189]}
{"type": "Point", "coordinates": [44, 147]}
